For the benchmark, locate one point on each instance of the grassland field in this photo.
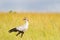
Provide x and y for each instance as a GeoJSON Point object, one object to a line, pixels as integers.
{"type": "Point", "coordinates": [41, 26]}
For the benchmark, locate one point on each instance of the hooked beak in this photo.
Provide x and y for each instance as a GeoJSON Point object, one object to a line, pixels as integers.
{"type": "Point", "coordinates": [25, 19]}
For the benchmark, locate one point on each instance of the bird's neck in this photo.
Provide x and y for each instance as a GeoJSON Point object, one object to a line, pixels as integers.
{"type": "Point", "coordinates": [26, 23]}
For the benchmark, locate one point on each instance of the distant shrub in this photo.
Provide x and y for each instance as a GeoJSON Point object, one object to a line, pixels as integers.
{"type": "Point", "coordinates": [14, 12]}
{"type": "Point", "coordinates": [10, 11]}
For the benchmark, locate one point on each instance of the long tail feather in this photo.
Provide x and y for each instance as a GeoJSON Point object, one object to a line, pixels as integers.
{"type": "Point", "coordinates": [13, 30]}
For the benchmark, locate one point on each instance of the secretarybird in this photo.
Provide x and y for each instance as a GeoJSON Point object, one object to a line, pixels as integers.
{"type": "Point", "coordinates": [20, 29]}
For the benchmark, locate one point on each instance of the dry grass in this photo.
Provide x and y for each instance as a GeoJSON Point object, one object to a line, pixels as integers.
{"type": "Point", "coordinates": [41, 26]}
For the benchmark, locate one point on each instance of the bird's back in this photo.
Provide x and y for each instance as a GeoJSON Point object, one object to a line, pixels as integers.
{"type": "Point", "coordinates": [21, 28]}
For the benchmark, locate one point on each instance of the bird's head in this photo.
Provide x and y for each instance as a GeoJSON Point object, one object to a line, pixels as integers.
{"type": "Point", "coordinates": [25, 19]}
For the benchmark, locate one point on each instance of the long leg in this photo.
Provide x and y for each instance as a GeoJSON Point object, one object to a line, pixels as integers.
{"type": "Point", "coordinates": [22, 34]}
{"type": "Point", "coordinates": [18, 33]}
